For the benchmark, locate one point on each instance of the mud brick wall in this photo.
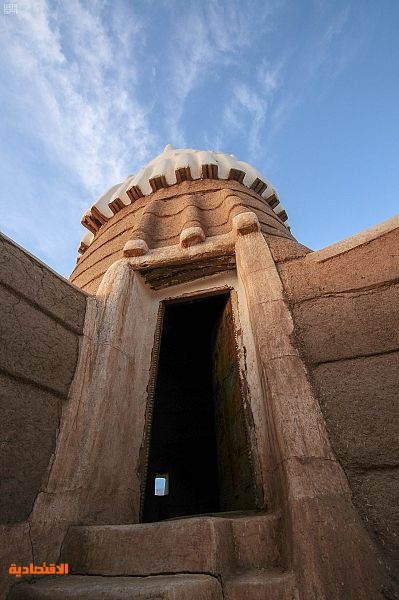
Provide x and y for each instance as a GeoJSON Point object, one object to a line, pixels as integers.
{"type": "Point", "coordinates": [345, 305]}
{"type": "Point", "coordinates": [41, 319]}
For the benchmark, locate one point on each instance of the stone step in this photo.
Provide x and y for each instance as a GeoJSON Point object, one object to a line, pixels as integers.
{"type": "Point", "coordinates": [265, 585]}
{"type": "Point", "coordinates": [75, 587]}
{"type": "Point", "coordinates": [199, 545]}
{"type": "Point", "coordinates": [208, 544]}
{"type": "Point", "coordinates": [256, 541]}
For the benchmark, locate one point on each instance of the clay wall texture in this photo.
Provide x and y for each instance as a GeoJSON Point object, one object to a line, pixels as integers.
{"type": "Point", "coordinates": [41, 321]}
{"type": "Point", "coordinates": [345, 305]}
{"type": "Point", "coordinates": [168, 208]}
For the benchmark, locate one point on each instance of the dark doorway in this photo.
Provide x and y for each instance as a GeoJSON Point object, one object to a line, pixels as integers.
{"type": "Point", "coordinates": [199, 460]}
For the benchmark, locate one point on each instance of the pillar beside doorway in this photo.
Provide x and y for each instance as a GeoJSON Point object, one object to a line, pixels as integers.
{"type": "Point", "coordinates": [306, 480]}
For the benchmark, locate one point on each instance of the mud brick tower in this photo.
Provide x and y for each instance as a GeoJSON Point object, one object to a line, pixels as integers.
{"type": "Point", "coordinates": [212, 406]}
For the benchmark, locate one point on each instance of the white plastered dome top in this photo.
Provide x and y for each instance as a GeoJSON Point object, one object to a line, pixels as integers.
{"type": "Point", "coordinates": [173, 166]}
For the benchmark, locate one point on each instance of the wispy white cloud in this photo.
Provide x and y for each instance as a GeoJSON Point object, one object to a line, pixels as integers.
{"type": "Point", "coordinates": [269, 76]}
{"type": "Point", "coordinates": [246, 109]}
{"type": "Point", "coordinates": [251, 108]}
{"type": "Point", "coordinates": [319, 51]}
{"type": "Point", "coordinates": [261, 106]}
{"type": "Point", "coordinates": [82, 106]}
{"type": "Point", "coordinates": [207, 38]}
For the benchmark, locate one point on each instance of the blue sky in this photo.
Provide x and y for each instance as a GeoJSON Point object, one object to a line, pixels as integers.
{"type": "Point", "coordinates": [305, 90]}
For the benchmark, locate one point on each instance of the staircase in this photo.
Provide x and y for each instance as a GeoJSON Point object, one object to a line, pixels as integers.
{"type": "Point", "coordinates": [231, 556]}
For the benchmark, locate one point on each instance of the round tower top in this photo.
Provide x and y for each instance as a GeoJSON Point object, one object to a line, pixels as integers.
{"type": "Point", "coordinates": [171, 167]}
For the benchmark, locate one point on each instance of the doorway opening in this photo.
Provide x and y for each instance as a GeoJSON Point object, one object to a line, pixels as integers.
{"type": "Point", "coordinates": [199, 456]}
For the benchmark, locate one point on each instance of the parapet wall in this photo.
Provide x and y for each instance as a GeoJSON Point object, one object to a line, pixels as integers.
{"type": "Point", "coordinates": [345, 305]}
{"type": "Point", "coordinates": [41, 321]}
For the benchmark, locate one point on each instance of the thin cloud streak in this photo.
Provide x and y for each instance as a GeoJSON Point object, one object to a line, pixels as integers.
{"type": "Point", "coordinates": [79, 105]}
{"type": "Point", "coordinates": [260, 109]}
{"type": "Point", "coordinates": [319, 51]}
{"type": "Point", "coordinates": [207, 39]}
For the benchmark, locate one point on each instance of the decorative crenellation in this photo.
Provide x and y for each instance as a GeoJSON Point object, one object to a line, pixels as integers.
{"type": "Point", "coordinates": [171, 167]}
{"type": "Point", "coordinates": [179, 221]}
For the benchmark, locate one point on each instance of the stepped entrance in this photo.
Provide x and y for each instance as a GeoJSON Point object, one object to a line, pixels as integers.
{"type": "Point", "coordinates": [199, 458]}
